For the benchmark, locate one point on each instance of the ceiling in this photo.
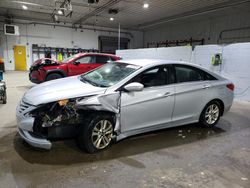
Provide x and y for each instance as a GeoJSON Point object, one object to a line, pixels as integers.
{"type": "Point", "coordinates": [131, 14]}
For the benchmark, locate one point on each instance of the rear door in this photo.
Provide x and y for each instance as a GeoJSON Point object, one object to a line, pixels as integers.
{"type": "Point", "coordinates": [190, 93]}
{"type": "Point", "coordinates": [81, 65]}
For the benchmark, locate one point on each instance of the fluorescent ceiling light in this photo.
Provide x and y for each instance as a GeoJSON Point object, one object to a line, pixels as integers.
{"type": "Point", "coordinates": [24, 7]}
{"type": "Point", "coordinates": [111, 19]}
{"type": "Point", "coordinates": [60, 12]}
{"type": "Point", "coordinates": [145, 5]}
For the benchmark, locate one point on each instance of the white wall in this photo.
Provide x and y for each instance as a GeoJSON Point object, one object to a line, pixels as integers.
{"type": "Point", "coordinates": [207, 26]}
{"type": "Point", "coordinates": [235, 58]}
{"type": "Point", "coordinates": [55, 37]}
{"type": "Point", "coordinates": [173, 53]}
{"type": "Point", "coordinates": [235, 64]}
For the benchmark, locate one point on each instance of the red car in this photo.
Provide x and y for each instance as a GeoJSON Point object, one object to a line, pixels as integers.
{"type": "Point", "coordinates": [46, 69]}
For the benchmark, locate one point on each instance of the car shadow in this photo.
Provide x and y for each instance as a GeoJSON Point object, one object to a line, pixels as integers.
{"type": "Point", "coordinates": [67, 152]}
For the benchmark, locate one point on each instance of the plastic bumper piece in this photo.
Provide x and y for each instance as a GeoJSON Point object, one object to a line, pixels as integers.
{"type": "Point", "coordinates": [33, 141]}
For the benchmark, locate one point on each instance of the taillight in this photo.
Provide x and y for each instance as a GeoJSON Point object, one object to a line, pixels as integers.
{"type": "Point", "coordinates": [230, 86]}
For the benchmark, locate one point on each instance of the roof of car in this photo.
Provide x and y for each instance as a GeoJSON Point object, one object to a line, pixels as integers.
{"type": "Point", "coordinates": [152, 62]}
{"type": "Point", "coordinates": [95, 53]}
{"type": "Point", "coordinates": [146, 62]}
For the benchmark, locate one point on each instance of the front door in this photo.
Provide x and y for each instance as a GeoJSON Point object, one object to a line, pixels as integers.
{"type": "Point", "coordinates": [20, 58]}
{"type": "Point", "coordinates": [153, 106]}
{"type": "Point", "coordinates": [81, 65]}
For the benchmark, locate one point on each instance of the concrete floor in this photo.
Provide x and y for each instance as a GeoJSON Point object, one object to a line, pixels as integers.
{"type": "Point", "coordinates": [187, 156]}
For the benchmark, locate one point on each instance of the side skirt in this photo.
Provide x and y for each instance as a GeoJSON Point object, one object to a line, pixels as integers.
{"type": "Point", "coordinates": [150, 129]}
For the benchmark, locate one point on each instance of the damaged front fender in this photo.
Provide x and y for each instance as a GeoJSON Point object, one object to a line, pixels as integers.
{"type": "Point", "coordinates": [105, 102]}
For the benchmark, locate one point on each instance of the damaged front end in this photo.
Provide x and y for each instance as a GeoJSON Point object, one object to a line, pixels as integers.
{"type": "Point", "coordinates": [56, 120]}
{"type": "Point", "coordinates": [43, 62]}
{"type": "Point", "coordinates": [63, 119]}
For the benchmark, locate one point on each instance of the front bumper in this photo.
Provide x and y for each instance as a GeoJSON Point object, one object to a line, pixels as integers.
{"type": "Point", "coordinates": [25, 127]}
{"type": "Point", "coordinates": [33, 141]}
{"type": "Point", "coordinates": [33, 80]}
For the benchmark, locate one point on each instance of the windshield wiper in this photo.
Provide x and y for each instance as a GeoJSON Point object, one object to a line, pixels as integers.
{"type": "Point", "coordinates": [86, 80]}
{"type": "Point", "coordinates": [83, 79]}
{"type": "Point", "coordinates": [91, 82]}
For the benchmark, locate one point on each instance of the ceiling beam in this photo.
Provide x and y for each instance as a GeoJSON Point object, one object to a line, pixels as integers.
{"type": "Point", "coordinates": [26, 19]}
{"type": "Point", "coordinates": [28, 3]}
{"type": "Point", "coordinates": [86, 5]}
{"type": "Point", "coordinates": [97, 11]}
{"type": "Point", "coordinates": [7, 9]}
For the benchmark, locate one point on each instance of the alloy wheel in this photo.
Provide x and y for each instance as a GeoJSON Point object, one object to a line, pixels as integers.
{"type": "Point", "coordinates": [102, 134]}
{"type": "Point", "coordinates": [212, 114]}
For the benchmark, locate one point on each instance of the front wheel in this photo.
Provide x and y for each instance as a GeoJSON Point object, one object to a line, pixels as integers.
{"type": "Point", "coordinates": [53, 76]}
{"type": "Point", "coordinates": [96, 135]}
{"type": "Point", "coordinates": [211, 114]}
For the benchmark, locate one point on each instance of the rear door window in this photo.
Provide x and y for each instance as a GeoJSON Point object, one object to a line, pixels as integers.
{"type": "Point", "coordinates": [187, 74]}
{"type": "Point", "coordinates": [208, 76]}
{"type": "Point", "coordinates": [85, 60]}
{"type": "Point", "coordinates": [102, 59]}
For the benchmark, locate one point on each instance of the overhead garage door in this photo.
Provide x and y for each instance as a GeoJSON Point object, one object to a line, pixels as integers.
{"type": "Point", "coordinates": [110, 44]}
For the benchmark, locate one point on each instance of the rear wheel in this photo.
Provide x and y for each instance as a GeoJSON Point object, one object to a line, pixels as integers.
{"type": "Point", "coordinates": [211, 114]}
{"type": "Point", "coordinates": [53, 76]}
{"type": "Point", "coordinates": [96, 134]}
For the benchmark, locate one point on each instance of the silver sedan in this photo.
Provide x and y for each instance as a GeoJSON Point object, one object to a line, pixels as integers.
{"type": "Point", "coordinates": [121, 99]}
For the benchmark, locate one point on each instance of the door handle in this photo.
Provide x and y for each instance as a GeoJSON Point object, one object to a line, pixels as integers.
{"type": "Point", "coordinates": [166, 94]}
{"type": "Point", "coordinates": [206, 86]}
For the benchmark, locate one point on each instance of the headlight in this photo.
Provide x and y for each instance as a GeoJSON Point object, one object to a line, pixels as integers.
{"type": "Point", "coordinates": [63, 102]}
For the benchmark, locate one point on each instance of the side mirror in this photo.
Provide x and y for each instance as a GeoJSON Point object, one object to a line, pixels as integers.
{"type": "Point", "coordinates": [76, 63]}
{"type": "Point", "coordinates": [134, 86]}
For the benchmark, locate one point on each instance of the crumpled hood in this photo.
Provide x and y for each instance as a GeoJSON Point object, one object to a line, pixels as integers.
{"type": "Point", "coordinates": [64, 88]}
{"type": "Point", "coordinates": [42, 62]}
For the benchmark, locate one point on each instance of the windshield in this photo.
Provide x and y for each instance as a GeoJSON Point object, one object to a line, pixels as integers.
{"type": "Point", "coordinates": [70, 58]}
{"type": "Point", "coordinates": [109, 74]}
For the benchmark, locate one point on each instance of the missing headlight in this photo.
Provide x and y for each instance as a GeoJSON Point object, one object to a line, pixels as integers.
{"type": "Point", "coordinates": [57, 113]}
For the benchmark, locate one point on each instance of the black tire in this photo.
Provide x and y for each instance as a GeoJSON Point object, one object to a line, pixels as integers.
{"type": "Point", "coordinates": [5, 97]}
{"type": "Point", "coordinates": [85, 138]}
{"type": "Point", "coordinates": [53, 76]}
{"type": "Point", "coordinates": [205, 120]}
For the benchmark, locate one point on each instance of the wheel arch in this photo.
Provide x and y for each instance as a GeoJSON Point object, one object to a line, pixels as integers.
{"type": "Point", "coordinates": [221, 105]}
{"type": "Point", "coordinates": [84, 138]}
{"type": "Point", "coordinates": [58, 71]}
{"type": "Point", "coordinates": [88, 114]}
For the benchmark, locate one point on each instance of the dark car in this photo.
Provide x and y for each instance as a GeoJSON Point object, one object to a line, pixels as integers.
{"type": "Point", "coordinates": [46, 69]}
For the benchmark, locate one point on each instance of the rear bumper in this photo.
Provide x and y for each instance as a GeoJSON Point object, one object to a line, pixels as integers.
{"type": "Point", "coordinates": [227, 108]}
{"type": "Point", "coordinates": [228, 102]}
